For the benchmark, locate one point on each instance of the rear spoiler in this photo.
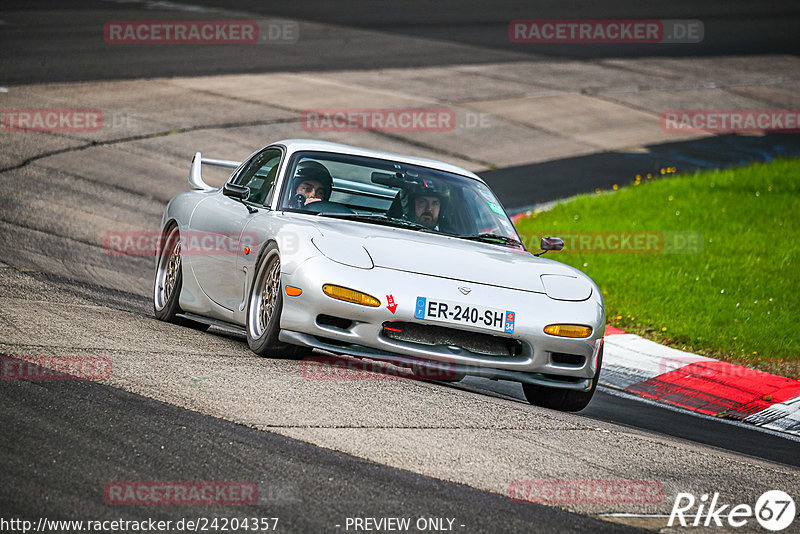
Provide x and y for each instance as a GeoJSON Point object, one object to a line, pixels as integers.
{"type": "Point", "coordinates": [195, 171]}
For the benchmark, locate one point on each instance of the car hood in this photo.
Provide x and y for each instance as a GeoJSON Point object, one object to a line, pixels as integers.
{"type": "Point", "coordinates": [446, 257]}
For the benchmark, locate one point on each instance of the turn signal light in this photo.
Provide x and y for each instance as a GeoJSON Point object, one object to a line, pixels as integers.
{"type": "Point", "coordinates": [350, 295]}
{"type": "Point", "coordinates": [293, 291]}
{"type": "Point", "coordinates": [568, 330]}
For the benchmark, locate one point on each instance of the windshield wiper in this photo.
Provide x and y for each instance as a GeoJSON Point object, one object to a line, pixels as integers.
{"type": "Point", "coordinates": [379, 219]}
{"type": "Point", "coordinates": [492, 238]}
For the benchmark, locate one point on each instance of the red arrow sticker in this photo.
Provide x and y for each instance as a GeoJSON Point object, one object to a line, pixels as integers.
{"type": "Point", "coordinates": [391, 306]}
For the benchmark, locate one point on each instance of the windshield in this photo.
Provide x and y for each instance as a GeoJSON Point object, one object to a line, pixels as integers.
{"type": "Point", "coordinates": [396, 194]}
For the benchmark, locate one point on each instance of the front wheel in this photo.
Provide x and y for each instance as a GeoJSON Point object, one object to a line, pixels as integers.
{"type": "Point", "coordinates": [264, 307]}
{"type": "Point", "coordinates": [565, 400]}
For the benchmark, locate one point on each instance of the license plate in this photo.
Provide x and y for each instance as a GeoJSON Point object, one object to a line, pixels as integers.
{"type": "Point", "coordinates": [446, 311]}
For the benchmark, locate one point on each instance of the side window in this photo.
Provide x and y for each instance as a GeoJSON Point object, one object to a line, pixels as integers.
{"type": "Point", "coordinates": [259, 176]}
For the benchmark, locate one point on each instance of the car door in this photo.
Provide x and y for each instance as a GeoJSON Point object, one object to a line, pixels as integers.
{"type": "Point", "coordinates": [215, 240]}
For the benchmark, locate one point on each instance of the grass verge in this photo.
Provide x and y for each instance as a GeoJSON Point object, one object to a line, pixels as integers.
{"type": "Point", "coordinates": [708, 263]}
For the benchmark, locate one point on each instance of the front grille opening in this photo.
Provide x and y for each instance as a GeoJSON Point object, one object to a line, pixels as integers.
{"type": "Point", "coordinates": [567, 359]}
{"type": "Point", "coordinates": [336, 322]}
{"type": "Point", "coordinates": [479, 343]}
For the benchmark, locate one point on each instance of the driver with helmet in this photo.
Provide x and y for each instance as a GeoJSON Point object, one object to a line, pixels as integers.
{"type": "Point", "coordinates": [311, 183]}
{"type": "Point", "coordinates": [425, 204]}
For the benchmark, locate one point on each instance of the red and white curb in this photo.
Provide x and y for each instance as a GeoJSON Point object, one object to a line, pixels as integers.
{"type": "Point", "coordinates": [700, 384]}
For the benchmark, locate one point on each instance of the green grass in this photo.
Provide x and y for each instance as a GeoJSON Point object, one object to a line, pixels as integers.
{"type": "Point", "coordinates": [737, 299]}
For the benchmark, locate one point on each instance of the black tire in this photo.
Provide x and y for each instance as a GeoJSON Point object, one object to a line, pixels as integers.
{"type": "Point", "coordinates": [264, 307]}
{"type": "Point", "coordinates": [565, 400]}
{"type": "Point", "coordinates": [168, 281]}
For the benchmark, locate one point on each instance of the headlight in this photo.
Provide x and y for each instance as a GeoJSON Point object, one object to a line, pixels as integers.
{"type": "Point", "coordinates": [563, 287]}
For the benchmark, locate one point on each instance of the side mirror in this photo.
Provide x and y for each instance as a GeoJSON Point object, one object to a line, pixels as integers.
{"type": "Point", "coordinates": [240, 193]}
{"type": "Point", "coordinates": [237, 192]}
{"type": "Point", "coordinates": [550, 243]}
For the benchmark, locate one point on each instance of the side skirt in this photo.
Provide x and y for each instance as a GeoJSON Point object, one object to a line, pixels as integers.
{"type": "Point", "coordinates": [228, 327]}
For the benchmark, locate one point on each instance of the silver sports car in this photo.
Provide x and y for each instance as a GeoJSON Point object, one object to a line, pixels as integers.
{"type": "Point", "coordinates": [375, 255]}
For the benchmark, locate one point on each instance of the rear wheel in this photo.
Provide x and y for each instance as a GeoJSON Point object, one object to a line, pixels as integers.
{"type": "Point", "coordinates": [566, 400]}
{"type": "Point", "coordinates": [264, 307]}
{"type": "Point", "coordinates": [169, 280]}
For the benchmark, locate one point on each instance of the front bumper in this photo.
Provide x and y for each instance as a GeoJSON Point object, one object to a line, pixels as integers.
{"type": "Point", "coordinates": [364, 335]}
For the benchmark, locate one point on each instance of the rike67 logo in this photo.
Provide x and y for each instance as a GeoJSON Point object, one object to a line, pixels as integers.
{"type": "Point", "coordinates": [774, 510]}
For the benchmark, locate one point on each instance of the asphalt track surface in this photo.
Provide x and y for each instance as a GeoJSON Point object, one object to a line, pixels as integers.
{"type": "Point", "coordinates": [619, 408]}
{"type": "Point", "coordinates": [92, 431]}
{"type": "Point", "coordinates": [62, 441]}
{"type": "Point", "coordinates": [40, 45]}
